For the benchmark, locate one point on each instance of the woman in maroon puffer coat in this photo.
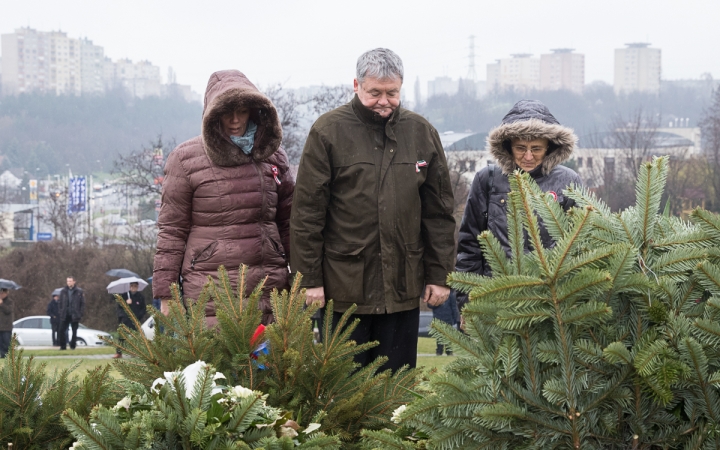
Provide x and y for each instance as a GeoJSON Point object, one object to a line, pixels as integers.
{"type": "Point", "coordinates": [226, 197]}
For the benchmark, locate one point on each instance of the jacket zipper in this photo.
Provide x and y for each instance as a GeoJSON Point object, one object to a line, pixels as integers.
{"type": "Point", "coordinates": [262, 209]}
{"type": "Point", "coordinates": [195, 258]}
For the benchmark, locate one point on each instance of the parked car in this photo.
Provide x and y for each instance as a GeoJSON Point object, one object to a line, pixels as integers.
{"type": "Point", "coordinates": [426, 318]}
{"type": "Point", "coordinates": [118, 221]}
{"type": "Point", "coordinates": [36, 330]}
{"type": "Point", "coordinates": [145, 223]}
{"type": "Point", "coordinates": [148, 327]}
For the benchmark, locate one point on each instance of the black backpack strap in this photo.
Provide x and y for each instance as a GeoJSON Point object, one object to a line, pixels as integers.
{"type": "Point", "coordinates": [489, 189]}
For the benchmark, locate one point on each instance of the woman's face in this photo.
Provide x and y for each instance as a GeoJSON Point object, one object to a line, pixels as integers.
{"type": "Point", "coordinates": [235, 123]}
{"type": "Point", "coordinates": [529, 154]}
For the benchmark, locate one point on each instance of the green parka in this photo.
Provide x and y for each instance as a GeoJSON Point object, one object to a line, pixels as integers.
{"type": "Point", "coordinates": [372, 216]}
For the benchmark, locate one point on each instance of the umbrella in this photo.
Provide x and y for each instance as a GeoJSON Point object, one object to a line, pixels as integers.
{"type": "Point", "coordinates": [124, 273]}
{"type": "Point", "coordinates": [122, 285]}
{"type": "Point", "coordinates": [7, 284]}
{"type": "Point", "coordinates": [56, 292]}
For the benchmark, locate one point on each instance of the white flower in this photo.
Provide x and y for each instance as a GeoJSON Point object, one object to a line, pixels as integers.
{"type": "Point", "coordinates": [287, 431]}
{"type": "Point", "coordinates": [397, 413]}
{"type": "Point", "coordinates": [190, 375]}
{"type": "Point", "coordinates": [219, 376]}
{"type": "Point", "coordinates": [124, 403]}
{"type": "Point", "coordinates": [77, 444]}
{"type": "Point", "coordinates": [239, 392]}
{"type": "Point", "coordinates": [312, 427]}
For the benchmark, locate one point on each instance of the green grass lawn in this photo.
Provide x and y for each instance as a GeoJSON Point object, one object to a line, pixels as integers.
{"type": "Point", "coordinates": [79, 352]}
{"type": "Point", "coordinates": [425, 345]}
{"type": "Point", "coordinates": [51, 364]}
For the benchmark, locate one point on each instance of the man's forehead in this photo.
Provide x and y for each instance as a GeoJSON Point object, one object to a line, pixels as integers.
{"type": "Point", "coordinates": [381, 83]}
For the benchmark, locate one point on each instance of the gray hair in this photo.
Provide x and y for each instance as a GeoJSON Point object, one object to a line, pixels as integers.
{"type": "Point", "coordinates": [381, 63]}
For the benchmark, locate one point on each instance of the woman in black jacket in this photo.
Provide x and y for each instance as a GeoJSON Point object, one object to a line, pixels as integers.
{"type": "Point", "coordinates": [530, 139]}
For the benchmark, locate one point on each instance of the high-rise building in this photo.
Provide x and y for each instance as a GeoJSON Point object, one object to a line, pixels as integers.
{"type": "Point", "coordinates": [442, 86]}
{"type": "Point", "coordinates": [52, 62]}
{"type": "Point", "coordinates": [637, 69]}
{"type": "Point", "coordinates": [520, 72]}
{"type": "Point", "coordinates": [562, 70]}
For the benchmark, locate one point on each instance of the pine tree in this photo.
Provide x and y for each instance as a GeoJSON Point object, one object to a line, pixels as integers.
{"type": "Point", "coordinates": [607, 340]}
{"type": "Point", "coordinates": [315, 382]}
{"type": "Point", "coordinates": [32, 400]}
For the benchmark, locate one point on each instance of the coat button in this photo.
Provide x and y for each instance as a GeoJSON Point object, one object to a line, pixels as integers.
{"type": "Point", "coordinates": [391, 150]}
{"type": "Point", "coordinates": [502, 200]}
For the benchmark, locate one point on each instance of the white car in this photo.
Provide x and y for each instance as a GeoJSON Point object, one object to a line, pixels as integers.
{"type": "Point", "coordinates": [148, 327]}
{"type": "Point", "coordinates": [145, 223]}
{"type": "Point", "coordinates": [36, 330]}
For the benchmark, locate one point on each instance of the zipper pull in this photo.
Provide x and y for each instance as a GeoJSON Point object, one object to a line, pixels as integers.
{"type": "Point", "coordinates": [275, 175]}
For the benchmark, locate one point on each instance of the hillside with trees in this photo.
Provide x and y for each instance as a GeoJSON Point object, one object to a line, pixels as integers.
{"type": "Point", "coordinates": [86, 132]}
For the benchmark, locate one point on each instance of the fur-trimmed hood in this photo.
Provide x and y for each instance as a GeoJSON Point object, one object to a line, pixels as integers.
{"type": "Point", "coordinates": [528, 120]}
{"type": "Point", "coordinates": [227, 91]}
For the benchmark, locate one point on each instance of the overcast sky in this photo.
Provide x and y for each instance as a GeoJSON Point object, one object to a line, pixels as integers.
{"type": "Point", "coordinates": [302, 43]}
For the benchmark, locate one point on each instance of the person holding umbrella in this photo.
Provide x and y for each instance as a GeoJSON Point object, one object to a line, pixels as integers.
{"type": "Point", "coordinates": [53, 310]}
{"type": "Point", "coordinates": [136, 302]}
{"type": "Point", "coordinates": [72, 310]}
{"type": "Point", "coordinates": [6, 321]}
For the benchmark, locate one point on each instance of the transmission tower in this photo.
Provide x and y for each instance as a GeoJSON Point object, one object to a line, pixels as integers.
{"type": "Point", "coordinates": [472, 76]}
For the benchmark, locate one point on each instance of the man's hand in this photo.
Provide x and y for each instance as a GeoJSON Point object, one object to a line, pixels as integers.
{"type": "Point", "coordinates": [316, 296]}
{"type": "Point", "coordinates": [436, 295]}
{"type": "Point", "coordinates": [129, 301]}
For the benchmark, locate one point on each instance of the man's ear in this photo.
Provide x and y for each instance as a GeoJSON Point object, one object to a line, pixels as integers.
{"type": "Point", "coordinates": [356, 85]}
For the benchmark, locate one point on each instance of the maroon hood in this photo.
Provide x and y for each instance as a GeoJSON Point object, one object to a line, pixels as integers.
{"type": "Point", "coordinates": [227, 91]}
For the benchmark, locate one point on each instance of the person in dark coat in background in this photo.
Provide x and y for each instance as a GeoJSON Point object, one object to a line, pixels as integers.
{"type": "Point", "coordinates": [7, 318]}
{"type": "Point", "coordinates": [72, 310]}
{"type": "Point", "coordinates": [53, 310]}
{"type": "Point", "coordinates": [136, 302]}
{"type": "Point", "coordinates": [447, 312]}
{"type": "Point", "coordinates": [529, 139]}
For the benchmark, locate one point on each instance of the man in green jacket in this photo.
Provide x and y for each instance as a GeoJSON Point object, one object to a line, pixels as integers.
{"type": "Point", "coordinates": [371, 221]}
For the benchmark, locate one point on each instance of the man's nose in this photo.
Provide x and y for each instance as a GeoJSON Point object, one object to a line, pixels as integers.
{"type": "Point", "coordinates": [528, 155]}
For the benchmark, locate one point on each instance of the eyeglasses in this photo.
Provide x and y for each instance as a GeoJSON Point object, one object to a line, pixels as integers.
{"type": "Point", "coordinates": [521, 150]}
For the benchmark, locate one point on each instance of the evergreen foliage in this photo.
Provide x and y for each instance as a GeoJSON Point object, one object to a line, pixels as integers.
{"type": "Point", "coordinates": [314, 382]}
{"type": "Point", "coordinates": [32, 400]}
{"type": "Point", "coordinates": [609, 340]}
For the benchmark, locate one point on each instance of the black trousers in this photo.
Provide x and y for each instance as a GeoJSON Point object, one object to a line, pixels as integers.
{"type": "Point", "coordinates": [55, 324]}
{"type": "Point", "coordinates": [128, 323]}
{"type": "Point", "coordinates": [396, 333]}
{"type": "Point", "coordinates": [5, 338]}
{"type": "Point", "coordinates": [67, 322]}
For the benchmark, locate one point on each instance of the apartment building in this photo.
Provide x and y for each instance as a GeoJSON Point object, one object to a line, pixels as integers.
{"type": "Point", "coordinates": [519, 72]}
{"type": "Point", "coordinates": [52, 62]}
{"type": "Point", "coordinates": [562, 70]}
{"type": "Point", "coordinates": [637, 69]}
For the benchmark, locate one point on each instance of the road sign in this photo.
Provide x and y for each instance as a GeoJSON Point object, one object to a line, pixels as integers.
{"type": "Point", "coordinates": [44, 236]}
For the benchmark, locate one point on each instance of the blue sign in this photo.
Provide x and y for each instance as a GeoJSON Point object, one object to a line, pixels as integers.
{"type": "Point", "coordinates": [77, 195]}
{"type": "Point", "coordinates": [44, 236]}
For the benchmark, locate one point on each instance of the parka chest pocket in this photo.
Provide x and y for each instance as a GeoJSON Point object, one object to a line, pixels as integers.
{"type": "Point", "coordinates": [352, 167]}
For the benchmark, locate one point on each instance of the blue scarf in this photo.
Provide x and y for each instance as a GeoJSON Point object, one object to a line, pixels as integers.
{"type": "Point", "coordinates": [246, 141]}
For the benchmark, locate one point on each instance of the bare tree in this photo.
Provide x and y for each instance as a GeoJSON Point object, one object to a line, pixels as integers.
{"type": "Point", "coordinates": [66, 226]}
{"type": "Point", "coordinates": [331, 97]}
{"type": "Point", "coordinates": [635, 136]}
{"type": "Point", "coordinates": [291, 112]}
{"type": "Point", "coordinates": [141, 171]}
{"type": "Point", "coordinates": [297, 114]}
{"type": "Point", "coordinates": [710, 125]}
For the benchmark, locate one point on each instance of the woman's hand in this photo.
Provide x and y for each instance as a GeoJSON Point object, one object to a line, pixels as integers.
{"type": "Point", "coordinates": [165, 306]}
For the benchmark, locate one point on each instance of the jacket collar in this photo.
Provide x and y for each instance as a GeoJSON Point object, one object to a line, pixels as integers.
{"type": "Point", "coordinates": [370, 118]}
